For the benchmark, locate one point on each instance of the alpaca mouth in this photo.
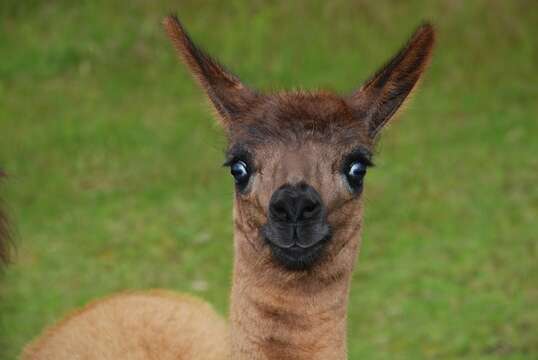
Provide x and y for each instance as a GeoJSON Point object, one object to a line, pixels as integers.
{"type": "Point", "coordinates": [294, 253]}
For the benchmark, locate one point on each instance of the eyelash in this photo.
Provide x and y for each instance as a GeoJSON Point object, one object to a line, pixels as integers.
{"type": "Point", "coordinates": [235, 159]}
{"type": "Point", "coordinates": [357, 155]}
{"type": "Point", "coordinates": [238, 153]}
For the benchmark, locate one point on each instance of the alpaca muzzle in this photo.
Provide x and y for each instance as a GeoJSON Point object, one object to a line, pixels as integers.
{"type": "Point", "coordinates": [296, 230]}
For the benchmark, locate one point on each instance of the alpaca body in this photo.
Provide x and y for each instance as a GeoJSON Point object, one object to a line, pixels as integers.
{"type": "Point", "coordinates": [153, 325]}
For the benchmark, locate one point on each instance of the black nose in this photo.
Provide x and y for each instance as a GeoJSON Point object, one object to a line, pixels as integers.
{"type": "Point", "coordinates": [295, 203]}
{"type": "Point", "coordinates": [297, 228]}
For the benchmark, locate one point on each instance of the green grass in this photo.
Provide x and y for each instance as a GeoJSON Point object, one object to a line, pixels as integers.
{"type": "Point", "coordinates": [115, 178]}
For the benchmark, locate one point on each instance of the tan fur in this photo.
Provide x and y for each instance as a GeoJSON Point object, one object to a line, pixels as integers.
{"type": "Point", "coordinates": [138, 325]}
{"type": "Point", "coordinates": [276, 312]}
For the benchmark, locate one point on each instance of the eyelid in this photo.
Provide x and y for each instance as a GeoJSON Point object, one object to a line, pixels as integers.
{"type": "Point", "coordinates": [239, 155]}
{"type": "Point", "coordinates": [361, 155]}
{"type": "Point", "coordinates": [229, 162]}
{"type": "Point", "coordinates": [368, 162]}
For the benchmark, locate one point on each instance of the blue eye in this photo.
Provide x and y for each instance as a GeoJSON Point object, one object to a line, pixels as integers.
{"type": "Point", "coordinates": [239, 171]}
{"type": "Point", "coordinates": [355, 174]}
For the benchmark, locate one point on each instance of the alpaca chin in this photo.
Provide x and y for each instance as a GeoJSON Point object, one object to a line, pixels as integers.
{"type": "Point", "coordinates": [295, 258]}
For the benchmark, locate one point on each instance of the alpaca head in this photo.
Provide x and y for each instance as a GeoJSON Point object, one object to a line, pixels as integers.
{"type": "Point", "coordinates": [299, 159]}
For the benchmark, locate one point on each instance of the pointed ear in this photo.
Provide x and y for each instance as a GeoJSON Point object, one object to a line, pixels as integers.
{"type": "Point", "coordinates": [381, 96]}
{"type": "Point", "coordinates": [229, 96]}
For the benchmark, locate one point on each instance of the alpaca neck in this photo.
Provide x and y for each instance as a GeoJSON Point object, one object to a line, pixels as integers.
{"type": "Point", "coordinates": [278, 314]}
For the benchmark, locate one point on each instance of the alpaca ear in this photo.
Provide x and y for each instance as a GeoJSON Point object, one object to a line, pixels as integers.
{"type": "Point", "coordinates": [381, 96]}
{"type": "Point", "coordinates": [228, 95]}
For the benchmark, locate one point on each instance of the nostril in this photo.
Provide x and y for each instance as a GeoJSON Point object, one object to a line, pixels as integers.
{"type": "Point", "coordinates": [295, 203]}
{"type": "Point", "coordinates": [280, 211]}
{"type": "Point", "coordinates": [309, 211]}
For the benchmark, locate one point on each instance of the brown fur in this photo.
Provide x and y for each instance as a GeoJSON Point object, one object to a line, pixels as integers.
{"type": "Point", "coordinates": [157, 325]}
{"type": "Point", "coordinates": [290, 137]}
{"type": "Point", "coordinates": [294, 137]}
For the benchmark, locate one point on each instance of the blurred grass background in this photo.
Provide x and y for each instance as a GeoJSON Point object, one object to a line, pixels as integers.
{"type": "Point", "coordinates": [115, 178]}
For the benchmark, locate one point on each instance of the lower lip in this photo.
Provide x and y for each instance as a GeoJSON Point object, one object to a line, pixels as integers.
{"type": "Point", "coordinates": [296, 250]}
{"type": "Point", "coordinates": [297, 257]}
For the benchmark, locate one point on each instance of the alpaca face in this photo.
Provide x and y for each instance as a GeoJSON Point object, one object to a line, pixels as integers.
{"type": "Point", "coordinates": [299, 159]}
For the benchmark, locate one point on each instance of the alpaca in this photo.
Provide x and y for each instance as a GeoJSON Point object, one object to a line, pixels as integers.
{"type": "Point", "coordinates": [298, 160]}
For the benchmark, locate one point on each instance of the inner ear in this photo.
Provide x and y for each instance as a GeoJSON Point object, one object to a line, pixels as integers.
{"type": "Point", "coordinates": [381, 96]}
{"type": "Point", "coordinates": [226, 92]}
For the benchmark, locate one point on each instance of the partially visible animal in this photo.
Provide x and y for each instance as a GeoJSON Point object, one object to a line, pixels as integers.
{"type": "Point", "coordinates": [5, 238]}
{"type": "Point", "coordinates": [156, 325]}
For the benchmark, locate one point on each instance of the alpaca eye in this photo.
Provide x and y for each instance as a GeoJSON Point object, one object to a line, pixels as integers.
{"type": "Point", "coordinates": [355, 174]}
{"type": "Point", "coordinates": [239, 171]}
{"type": "Point", "coordinates": [357, 170]}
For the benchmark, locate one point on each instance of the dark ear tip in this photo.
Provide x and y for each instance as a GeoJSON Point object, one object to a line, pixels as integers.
{"type": "Point", "coordinates": [426, 25]}
{"type": "Point", "coordinates": [177, 33]}
{"type": "Point", "coordinates": [425, 33]}
{"type": "Point", "coordinates": [171, 21]}
{"type": "Point", "coordinates": [173, 26]}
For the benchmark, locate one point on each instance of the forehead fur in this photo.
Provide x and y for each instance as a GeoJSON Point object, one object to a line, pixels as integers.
{"type": "Point", "coordinates": [296, 117]}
